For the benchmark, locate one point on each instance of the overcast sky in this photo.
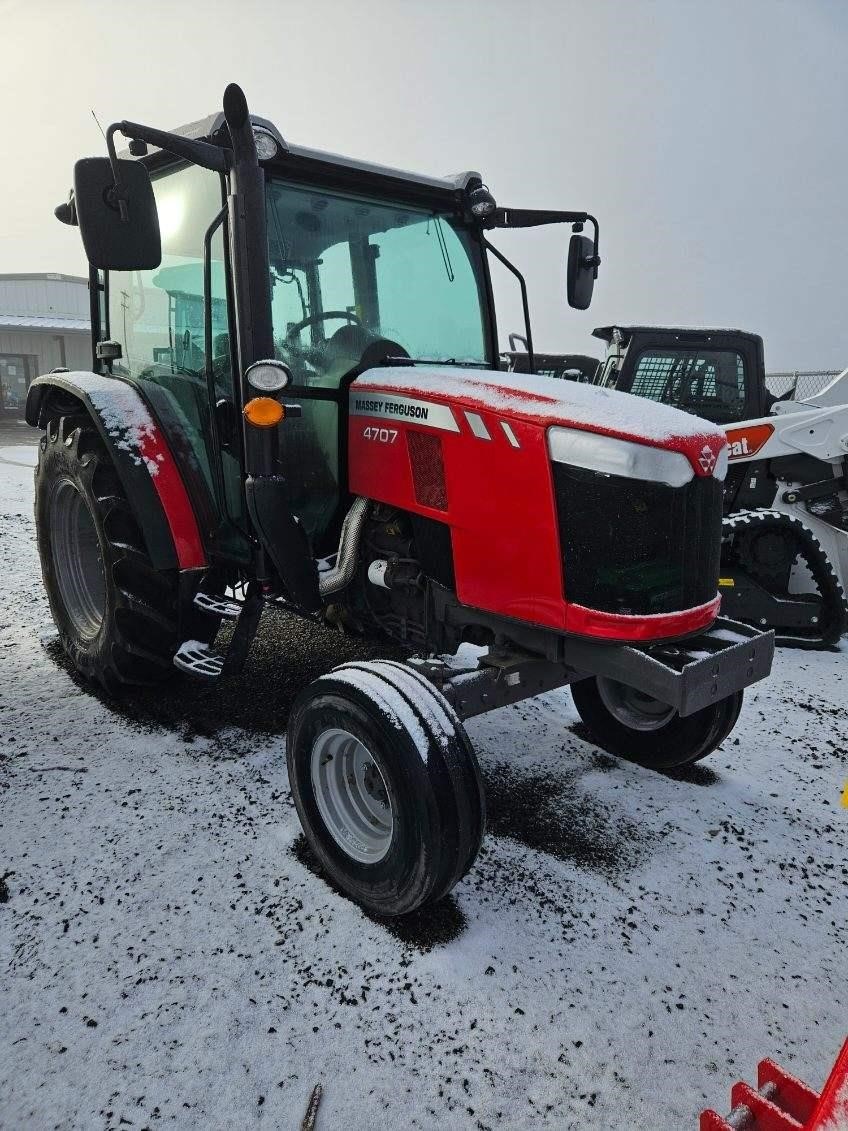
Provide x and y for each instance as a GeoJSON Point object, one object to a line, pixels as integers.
{"type": "Point", "coordinates": [708, 138]}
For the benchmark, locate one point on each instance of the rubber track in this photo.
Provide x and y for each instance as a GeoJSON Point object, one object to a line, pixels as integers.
{"type": "Point", "coordinates": [833, 618]}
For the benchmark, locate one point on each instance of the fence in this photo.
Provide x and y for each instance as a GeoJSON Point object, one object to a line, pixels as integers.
{"type": "Point", "coordinates": [800, 383]}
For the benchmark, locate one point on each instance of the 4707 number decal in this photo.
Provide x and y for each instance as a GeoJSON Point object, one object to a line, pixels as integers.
{"type": "Point", "coordinates": [381, 435]}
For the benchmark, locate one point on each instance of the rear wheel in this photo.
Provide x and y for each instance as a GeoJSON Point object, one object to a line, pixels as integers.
{"type": "Point", "coordinates": [632, 725]}
{"type": "Point", "coordinates": [117, 616]}
{"type": "Point", "coordinates": [386, 785]}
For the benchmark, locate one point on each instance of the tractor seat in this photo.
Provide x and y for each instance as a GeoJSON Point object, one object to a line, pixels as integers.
{"type": "Point", "coordinates": [353, 350]}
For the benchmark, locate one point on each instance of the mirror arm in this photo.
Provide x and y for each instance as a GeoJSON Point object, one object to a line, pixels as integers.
{"type": "Point", "coordinates": [118, 192]}
{"type": "Point", "coordinates": [595, 258]}
{"type": "Point", "coordinates": [531, 361]}
{"type": "Point", "coordinates": [198, 152]}
{"type": "Point", "coordinates": [534, 217]}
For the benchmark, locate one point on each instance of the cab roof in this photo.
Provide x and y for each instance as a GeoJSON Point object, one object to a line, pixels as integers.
{"type": "Point", "coordinates": [681, 333]}
{"type": "Point", "coordinates": [304, 161]}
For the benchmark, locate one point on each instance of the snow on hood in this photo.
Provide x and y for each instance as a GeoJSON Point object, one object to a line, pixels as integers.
{"type": "Point", "coordinates": [547, 398]}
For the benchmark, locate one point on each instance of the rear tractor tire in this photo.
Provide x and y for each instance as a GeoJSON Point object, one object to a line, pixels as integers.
{"type": "Point", "coordinates": [117, 616]}
{"type": "Point", "coordinates": [386, 785]}
{"type": "Point", "coordinates": [631, 725]}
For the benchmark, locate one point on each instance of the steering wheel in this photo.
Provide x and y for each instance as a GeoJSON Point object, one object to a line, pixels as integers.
{"type": "Point", "coordinates": [325, 315]}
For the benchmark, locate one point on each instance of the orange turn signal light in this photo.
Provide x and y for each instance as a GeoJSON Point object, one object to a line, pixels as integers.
{"type": "Point", "coordinates": [264, 412]}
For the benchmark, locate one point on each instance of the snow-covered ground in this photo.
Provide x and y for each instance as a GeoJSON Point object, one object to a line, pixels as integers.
{"type": "Point", "coordinates": [625, 947]}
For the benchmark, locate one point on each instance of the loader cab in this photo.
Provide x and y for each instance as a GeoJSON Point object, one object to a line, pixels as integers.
{"type": "Point", "coordinates": [717, 374]}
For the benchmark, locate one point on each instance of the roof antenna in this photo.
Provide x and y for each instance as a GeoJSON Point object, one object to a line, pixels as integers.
{"type": "Point", "coordinates": [98, 123]}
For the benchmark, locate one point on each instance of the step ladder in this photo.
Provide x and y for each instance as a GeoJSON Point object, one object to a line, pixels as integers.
{"type": "Point", "coordinates": [199, 659]}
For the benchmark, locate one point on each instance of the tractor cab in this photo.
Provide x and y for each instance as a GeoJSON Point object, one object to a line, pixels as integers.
{"type": "Point", "coordinates": [351, 266]}
{"type": "Point", "coordinates": [357, 276]}
{"type": "Point", "coordinates": [717, 374]}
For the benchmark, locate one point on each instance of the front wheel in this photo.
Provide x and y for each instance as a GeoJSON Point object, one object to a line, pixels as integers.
{"type": "Point", "coordinates": [386, 785]}
{"type": "Point", "coordinates": [632, 725]}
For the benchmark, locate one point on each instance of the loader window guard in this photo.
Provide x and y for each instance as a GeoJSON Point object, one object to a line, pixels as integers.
{"type": "Point", "coordinates": [709, 382]}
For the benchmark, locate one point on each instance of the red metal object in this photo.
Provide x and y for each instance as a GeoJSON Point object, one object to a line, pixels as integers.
{"type": "Point", "coordinates": [173, 496]}
{"type": "Point", "coordinates": [498, 495]}
{"type": "Point", "coordinates": [617, 626]}
{"type": "Point", "coordinates": [132, 426]}
{"type": "Point", "coordinates": [831, 1113]}
{"type": "Point", "coordinates": [784, 1103]}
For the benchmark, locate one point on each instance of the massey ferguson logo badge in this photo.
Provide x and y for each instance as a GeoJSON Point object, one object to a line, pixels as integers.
{"type": "Point", "coordinates": [707, 460]}
{"type": "Point", "coordinates": [388, 406]}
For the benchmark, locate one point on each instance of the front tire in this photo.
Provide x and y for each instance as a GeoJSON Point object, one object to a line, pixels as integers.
{"type": "Point", "coordinates": [386, 785]}
{"type": "Point", "coordinates": [641, 729]}
{"type": "Point", "coordinates": [116, 615]}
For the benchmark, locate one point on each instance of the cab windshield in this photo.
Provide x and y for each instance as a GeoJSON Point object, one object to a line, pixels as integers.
{"type": "Point", "coordinates": [357, 280]}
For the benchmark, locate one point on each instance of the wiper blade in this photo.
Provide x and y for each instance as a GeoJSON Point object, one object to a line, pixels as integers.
{"type": "Point", "coordinates": [435, 361]}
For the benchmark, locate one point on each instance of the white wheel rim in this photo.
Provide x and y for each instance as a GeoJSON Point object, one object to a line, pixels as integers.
{"type": "Point", "coordinates": [351, 795]}
{"type": "Point", "coordinates": [633, 709]}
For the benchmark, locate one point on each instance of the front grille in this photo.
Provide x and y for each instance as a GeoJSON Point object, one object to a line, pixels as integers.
{"type": "Point", "coordinates": [428, 469]}
{"type": "Point", "coordinates": [637, 548]}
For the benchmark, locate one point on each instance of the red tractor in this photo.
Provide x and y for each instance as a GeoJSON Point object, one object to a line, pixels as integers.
{"type": "Point", "coordinates": [233, 448]}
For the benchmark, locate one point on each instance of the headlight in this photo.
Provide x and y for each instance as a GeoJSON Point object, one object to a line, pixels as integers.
{"type": "Point", "coordinates": [610, 456]}
{"type": "Point", "coordinates": [268, 376]}
{"type": "Point", "coordinates": [266, 146]}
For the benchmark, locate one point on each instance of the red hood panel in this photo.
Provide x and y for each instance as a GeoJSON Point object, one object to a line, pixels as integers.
{"type": "Point", "coordinates": [547, 401]}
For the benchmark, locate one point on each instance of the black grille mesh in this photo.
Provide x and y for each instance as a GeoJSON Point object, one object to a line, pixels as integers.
{"type": "Point", "coordinates": [634, 547]}
{"type": "Point", "coordinates": [428, 471]}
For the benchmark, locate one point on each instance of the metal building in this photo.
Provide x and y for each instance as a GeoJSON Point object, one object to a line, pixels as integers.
{"type": "Point", "coordinates": [44, 324]}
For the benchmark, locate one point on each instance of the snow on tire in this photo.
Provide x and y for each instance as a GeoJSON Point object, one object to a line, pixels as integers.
{"type": "Point", "coordinates": [118, 617]}
{"type": "Point", "coordinates": [386, 785]}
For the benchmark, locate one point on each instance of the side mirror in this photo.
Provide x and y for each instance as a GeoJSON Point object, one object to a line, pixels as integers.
{"type": "Point", "coordinates": [580, 275]}
{"type": "Point", "coordinates": [110, 242]}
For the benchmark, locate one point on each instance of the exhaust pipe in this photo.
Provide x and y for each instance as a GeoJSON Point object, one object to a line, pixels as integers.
{"type": "Point", "coordinates": [332, 580]}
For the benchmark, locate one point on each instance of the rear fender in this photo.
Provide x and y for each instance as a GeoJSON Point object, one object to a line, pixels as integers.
{"type": "Point", "coordinates": [143, 461]}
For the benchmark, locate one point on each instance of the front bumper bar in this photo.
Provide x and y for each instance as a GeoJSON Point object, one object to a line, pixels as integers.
{"type": "Point", "coordinates": [688, 675]}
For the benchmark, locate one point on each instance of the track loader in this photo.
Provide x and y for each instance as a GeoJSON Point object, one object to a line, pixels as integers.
{"type": "Point", "coordinates": [295, 401]}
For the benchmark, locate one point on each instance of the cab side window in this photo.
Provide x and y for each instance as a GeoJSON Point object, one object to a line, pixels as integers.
{"type": "Point", "coordinates": [157, 315]}
{"type": "Point", "coordinates": [158, 318]}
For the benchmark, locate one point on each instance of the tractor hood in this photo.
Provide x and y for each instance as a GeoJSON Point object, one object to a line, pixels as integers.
{"type": "Point", "coordinates": [535, 399]}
